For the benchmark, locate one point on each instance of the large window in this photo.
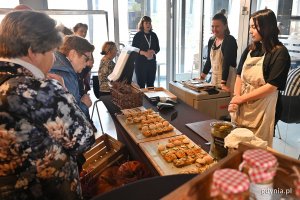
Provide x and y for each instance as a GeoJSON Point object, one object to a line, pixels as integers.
{"type": "Point", "coordinates": [188, 39]}
{"type": "Point", "coordinates": [67, 5]}
{"type": "Point", "coordinates": [189, 45]}
{"type": "Point", "coordinates": [7, 4]}
{"type": "Point", "coordinates": [134, 10]}
{"type": "Point", "coordinates": [99, 30]}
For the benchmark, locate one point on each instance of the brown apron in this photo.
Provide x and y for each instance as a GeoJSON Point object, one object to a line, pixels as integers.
{"type": "Point", "coordinates": [216, 59]}
{"type": "Point", "coordinates": [258, 115]}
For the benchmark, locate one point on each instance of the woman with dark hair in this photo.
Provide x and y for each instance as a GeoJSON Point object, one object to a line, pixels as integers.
{"type": "Point", "coordinates": [262, 71]}
{"type": "Point", "coordinates": [222, 52]}
{"type": "Point", "coordinates": [42, 129]}
{"type": "Point", "coordinates": [107, 65]}
{"type": "Point", "coordinates": [145, 64]}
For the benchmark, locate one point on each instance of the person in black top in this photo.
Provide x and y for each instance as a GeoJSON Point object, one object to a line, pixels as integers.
{"type": "Point", "coordinates": [145, 64]}
{"type": "Point", "coordinates": [221, 56]}
{"type": "Point", "coordinates": [262, 71]}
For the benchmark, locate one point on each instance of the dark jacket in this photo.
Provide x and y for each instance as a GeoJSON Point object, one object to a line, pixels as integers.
{"type": "Point", "coordinates": [140, 42]}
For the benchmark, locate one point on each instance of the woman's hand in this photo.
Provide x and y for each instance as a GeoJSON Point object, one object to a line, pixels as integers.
{"type": "Point", "coordinates": [225, 88]}
{"type": "Point", "coordinates": [56, 77]}
{"type": "Point", "coordinates": [237, 100]}
{"type": "Point", "coordinates": [202, 76]}
{"type": "Point", "coordinates": [86, 100]}
{"type": "Point", "coordinates": [150, 54]}
{"type": "Point", "coordinates": [232, 107]}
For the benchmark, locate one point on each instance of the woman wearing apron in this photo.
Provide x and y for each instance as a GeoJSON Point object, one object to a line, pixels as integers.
{"type": "Point", "coordinates": [261, 73]}
{"type": "Point", "coordinates": [222, 51]}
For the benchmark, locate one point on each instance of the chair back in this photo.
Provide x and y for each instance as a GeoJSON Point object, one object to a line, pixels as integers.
{"type": "Point", "coordinates": [96, 87]}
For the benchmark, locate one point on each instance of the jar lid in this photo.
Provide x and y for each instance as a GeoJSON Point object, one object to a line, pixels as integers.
{"type": "Point", "coordinates": [229, 181]}
{"type": "Point", "coordinates": [259, 158]}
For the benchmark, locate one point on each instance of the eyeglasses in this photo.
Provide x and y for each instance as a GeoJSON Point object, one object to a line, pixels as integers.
{"type": "Point", "coordinates": [87, 58]}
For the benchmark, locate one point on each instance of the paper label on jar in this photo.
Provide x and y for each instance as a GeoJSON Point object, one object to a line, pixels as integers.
{"type": "Point", "coordinates": [261, 191]}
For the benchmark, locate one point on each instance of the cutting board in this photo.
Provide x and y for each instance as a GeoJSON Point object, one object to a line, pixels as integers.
{"type": "Point", "coordinates": [202, 128]}
{"type": "Point", "coordinates": [136, 134]}
{"type": "Point", "coordinates": [164, 168]}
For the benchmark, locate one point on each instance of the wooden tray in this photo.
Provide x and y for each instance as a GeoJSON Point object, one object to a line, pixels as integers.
{"type": "Point", "coordinates": [197, 85]}
{"type": "Point", "coordinates": [133, 110]}
{"type": "Point", "coordinates": [138, 137]}
{"type": "Point", "coordinates": [199, 187]}
{"type": "Point", "coordinates": [158, 91]}
{"type": "Point", "coordinates": [202, 128]}
{"type": "Point", "coordinates": [164, 168]}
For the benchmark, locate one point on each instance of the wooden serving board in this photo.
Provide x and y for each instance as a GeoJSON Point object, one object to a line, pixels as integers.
{"type": "Point", "coordinates": [158, 92]}
{"type": "Point", "coordinates": [202, 128]}
{"type": "Point", "coordinates": [163, 167]}
{"type": "Point", "coordinates": [138, 137]}
{"type": "Point", "coordinates": [133, 110]}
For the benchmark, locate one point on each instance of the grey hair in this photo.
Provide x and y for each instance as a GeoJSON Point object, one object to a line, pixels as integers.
{"type": "Point", "coordinates": [21, 30]}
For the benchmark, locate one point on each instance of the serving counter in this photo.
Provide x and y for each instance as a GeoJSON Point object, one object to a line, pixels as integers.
{"type": "Point", "coordinates": [181, 115]}
{"type": "Point", "coordinates": [213, 102]}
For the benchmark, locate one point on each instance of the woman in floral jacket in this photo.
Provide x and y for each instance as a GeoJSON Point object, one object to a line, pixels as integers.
{"type": "Point", "coordinates": [41, 127]}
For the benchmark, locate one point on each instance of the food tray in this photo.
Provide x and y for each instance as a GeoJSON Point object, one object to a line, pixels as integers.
{"type": "Point", "coordinates": [158, 91]}
{"type": "Point", "coordinates": [197, 85]}
{"type": "Point", "coordinates": [133, 110]}
{"type": "Point", "coordinates": [136, 134]}
{"type": "Point", "coordinates": [163, 167]}
{"type": "Point", "coordinates": [199, 187]}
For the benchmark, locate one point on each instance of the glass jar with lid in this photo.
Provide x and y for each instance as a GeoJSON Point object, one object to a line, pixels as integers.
{"type": "Point", "coordinates": [219, 130]}
{"type": "Point", "coordinates": [261, 167]}
{"type": "Point", "coordinates": [229, 184]}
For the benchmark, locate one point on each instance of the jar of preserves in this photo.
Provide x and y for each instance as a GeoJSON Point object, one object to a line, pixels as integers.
{"type": "Point", "coordinates": [261, 167]}
{"type": "Point", "coordinates": [219, 130]}
{"type": "Point", "coordinates": [229, 184]}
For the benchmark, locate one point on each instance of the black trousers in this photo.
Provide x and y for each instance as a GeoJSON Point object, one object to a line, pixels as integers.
{"type": "Point", "coordinates": [145, 73]}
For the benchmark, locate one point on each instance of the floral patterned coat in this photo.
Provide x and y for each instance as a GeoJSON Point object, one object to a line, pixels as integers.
{"type": "Point", "coordinates": [41, 131]}
{"type": "Point", "coordinates": [105, 69]}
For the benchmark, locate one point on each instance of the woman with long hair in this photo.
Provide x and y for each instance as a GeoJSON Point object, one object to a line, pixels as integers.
{"type": "Point", "coordinates": [261, 73]}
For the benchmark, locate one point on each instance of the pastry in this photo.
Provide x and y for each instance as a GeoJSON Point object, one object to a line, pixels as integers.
{"type": "Point", "coordinates": [177, 142]}
{"type": "Point", "coordinates": [161, 147]}
{"type": "Point", "coordinates": [169, 157]}
{"type": "Point", "coordinates": [170, 145]}
{"type": "Point", "coordinates": [166, 123]}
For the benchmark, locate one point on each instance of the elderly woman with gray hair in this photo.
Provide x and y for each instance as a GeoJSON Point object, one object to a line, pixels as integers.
{"type": "Point", "coordinates": [71, 59]}
{"type": "Point", "coordinates": [42, 129]}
